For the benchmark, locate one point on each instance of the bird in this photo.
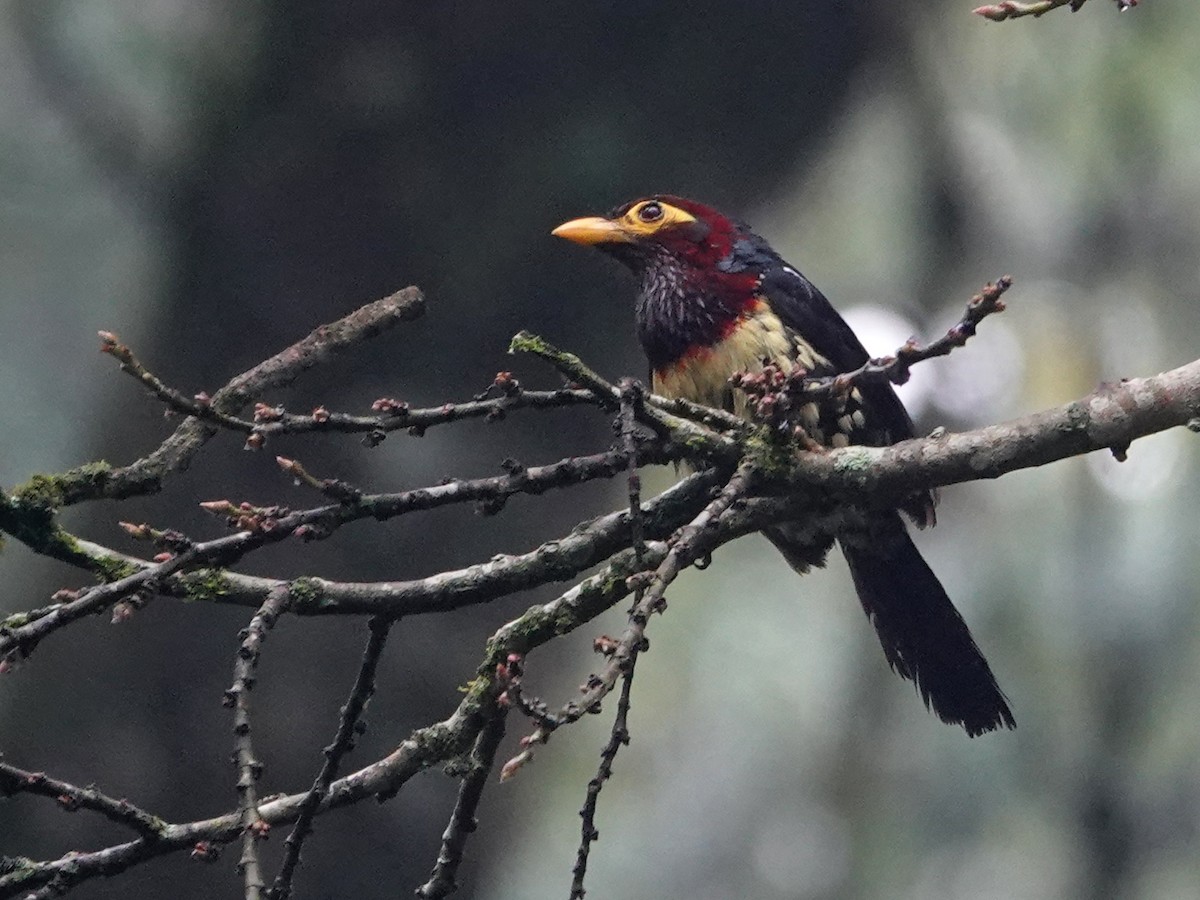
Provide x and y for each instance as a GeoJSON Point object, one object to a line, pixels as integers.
{"type": "Point", "coordinates": [714, 301]}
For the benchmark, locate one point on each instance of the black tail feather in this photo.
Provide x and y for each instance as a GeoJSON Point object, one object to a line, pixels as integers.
{"type": "Point", "coordinates": [923, 636]}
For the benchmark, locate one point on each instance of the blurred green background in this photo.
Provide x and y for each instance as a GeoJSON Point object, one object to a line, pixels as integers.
{"type": "Point", "coordinates": [211, 180]}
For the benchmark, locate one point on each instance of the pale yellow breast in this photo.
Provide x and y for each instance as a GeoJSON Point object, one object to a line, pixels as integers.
{"type": "Point", "coordinates": [703, 376]}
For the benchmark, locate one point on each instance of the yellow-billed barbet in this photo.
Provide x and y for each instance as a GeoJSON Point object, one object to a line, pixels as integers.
{"type": "Point", "coordinates": [714, 300]}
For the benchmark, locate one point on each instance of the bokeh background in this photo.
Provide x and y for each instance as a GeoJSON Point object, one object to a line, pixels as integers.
{"type": "Point", "coordinates": [211, 180]}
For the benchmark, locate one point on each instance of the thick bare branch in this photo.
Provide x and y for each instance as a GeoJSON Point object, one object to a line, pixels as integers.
{"type": "Point", "coordinates": [1110, 418]}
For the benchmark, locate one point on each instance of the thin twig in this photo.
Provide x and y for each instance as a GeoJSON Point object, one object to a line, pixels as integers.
{"type": "Point", "coordinates": [393, 415]}
{"type": "Point", "coordinates": [691, 543]}
{"type": "Point", "coordinates": [249, 769]}
{"type": "Point", "coordinates": [632, 398]}
{"type": "Point", "coordinates": [72, 797]}
{"type": "Point", "coordinates": [442, 881]}
{"type": "Point", "coordinates": [717, 419]}
{"type": "Point", "coordinates": [897, 367]}
{"type": "Point", "coordinates": [1012, 9]}
{"type": "Point", "coordinates": [417, 421]}
{"type": "Point", "coordinates": [23, 638]}
{"type": "Point", "coordinates": [343, 742]}
{"type": "Point", "coordinates": [617, 738]}
{"type": "Point", "coordinates": [146, 475]}
{"type": "Point", "coordinates": [200, 406]}
{"type": "Point", "coordinates": [702, 440]}
{"type": "Point", "coordinates": [631, 395]}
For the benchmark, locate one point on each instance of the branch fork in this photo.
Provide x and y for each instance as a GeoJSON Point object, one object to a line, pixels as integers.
{"type": "Point", "coordinates": [741, 484]}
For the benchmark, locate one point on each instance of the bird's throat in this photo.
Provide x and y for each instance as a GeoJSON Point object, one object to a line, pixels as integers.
{"type": "Point", "coordinates": [680, 315]}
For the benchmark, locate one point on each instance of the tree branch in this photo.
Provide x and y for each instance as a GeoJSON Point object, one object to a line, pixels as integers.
{"type": "Point", "coordinates": [425, 747]}
{"type": "Point", "coordinates": [392, 414]}
{"type": "Point", "coordinates": [1012, 9]}
{"type": "Point", "coordinates": [1111, 417]}
{"type": "Point", "coordinates": [71, 798]}
{"type": "Point", "coordinates": [704, 442]}
{"type": "Point", "coordinates": [259, 526]}
{"type": "Point", "coordinates": [249, 769]}
{"type": "Point", "coordinates": [145, 476]}
{"type": "Point", "coordinates": [631, 396]}
{"type": "Point", "coordinates": [750, 478]}
{"type": "Point", "coordinates": [463, 823]}
{"type": "Point", "coordinates": [343, 742]}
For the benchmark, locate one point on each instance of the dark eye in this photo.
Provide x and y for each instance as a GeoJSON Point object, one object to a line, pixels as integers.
{"type": "Point", "coordinates": [650, 212]}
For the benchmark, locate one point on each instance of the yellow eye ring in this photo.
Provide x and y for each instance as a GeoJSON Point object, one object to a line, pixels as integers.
{"type": "Point", "coordinates": [650, 212]}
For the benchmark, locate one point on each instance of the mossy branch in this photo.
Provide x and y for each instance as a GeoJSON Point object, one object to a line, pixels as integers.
{"type": "Point", "coordinates": [749, 476]}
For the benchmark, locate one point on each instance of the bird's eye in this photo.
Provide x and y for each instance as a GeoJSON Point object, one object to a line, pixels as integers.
{"type": "Point", "coordinates": [650, 212]}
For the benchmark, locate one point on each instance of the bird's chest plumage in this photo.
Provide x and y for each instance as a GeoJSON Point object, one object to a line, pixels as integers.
{"type": "Point", "coordinates": [754, 337]}
{"type": "Point", "coordinates": [699, 332]}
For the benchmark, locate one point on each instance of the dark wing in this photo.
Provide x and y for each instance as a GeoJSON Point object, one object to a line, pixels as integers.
{"type": "Point", "coordinates": [804, 308]}
{"type": "Point", "coordinates": [800, 306]}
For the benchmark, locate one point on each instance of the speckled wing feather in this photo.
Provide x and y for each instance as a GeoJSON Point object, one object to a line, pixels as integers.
{"type": "Point", "coordinates": [805, 309]}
